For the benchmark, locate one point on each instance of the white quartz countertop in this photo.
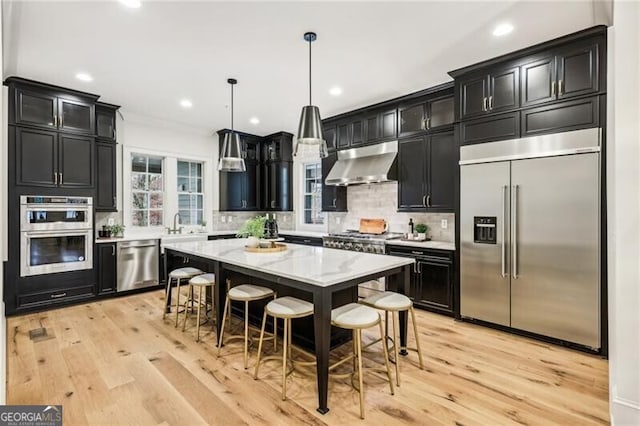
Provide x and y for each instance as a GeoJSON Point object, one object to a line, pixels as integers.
{"type": "Point", "coordinates": [158, 235]}
{"type": "Point", "coordinates": [440, 245]}
{"type": "Point", "coordinates": [315, 265]}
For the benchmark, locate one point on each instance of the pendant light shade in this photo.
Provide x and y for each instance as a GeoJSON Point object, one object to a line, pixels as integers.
{"type": "Point", "coordinates": [310, 127]}
{"type": "Point", "coordinates": [231, 157]}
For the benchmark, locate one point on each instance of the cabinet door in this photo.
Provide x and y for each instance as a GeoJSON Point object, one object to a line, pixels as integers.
{"type": "Point", "coordinates": [334, 198]}
{"type": "Point", "coordinates": [106, 177]}
{"type": "Point", "coordinates": [329, 132]}
{"type": "Point", "coordinates": [388, 122]}
{"type": "Point", "coordinates": [577, 71]}
{"type": "Point", "coordinates": [490, 129]}
{"type": "Point", "coordinates": [473, 96]}
{"type": "Point", "coordinates": [106, 124]}
{"type": "Point", "coordinates": [251, 149]}
{"type": "Point", "coordinates": [441, 172]}
{"type": "Point", "coordinates": [76, 116]}
{"type": "Point", "coordinates": [279, 184]}
{"type": "Point", "coordinates": [36, 109]}
{"type": "Point", "coordinates": [36, 157]}
{"type": "Point", "coordinates": [504, 90]}
{"type": "Point", "coordinates": [441, 113]}
{"type": "Point", "coordinates": [561, 117]}
{"type": "Point", "coordinates": [412, 161]}
{"type": "Point", "coordinates": [106, 268]}
{"type": "Point", "coordinates": [538, 81]}
{"type": "Point", "coordinates": [357, 132]}
{"type": "Point", "coordinates": [343, 135]}
{"type": "Point", "coordinates": [75, 161]}
{"type": "Point", "coordinates": [372, 128]}
{"type": "Point", "coordinates": [411, 119]}
{"type": "Point", "coordinates": [435, 285]}
{"type": "Point", "coordinates": [231, 190]}
{"type": "Point", "coordinates": [252, 187]}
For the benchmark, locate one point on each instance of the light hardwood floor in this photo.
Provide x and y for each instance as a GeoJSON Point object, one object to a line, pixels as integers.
{"type": "Point", "coordinates": [117, 362]}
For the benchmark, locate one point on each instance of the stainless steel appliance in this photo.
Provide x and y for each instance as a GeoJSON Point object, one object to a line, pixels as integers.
{"type": "Point", "coordinates": [56, 234]}
{"type": "Point", "coordinates": [138, 265]}
{"type": "Point", "coordinates": [530, 234]}
{"type": "Point", "coordinates": [369, 164]}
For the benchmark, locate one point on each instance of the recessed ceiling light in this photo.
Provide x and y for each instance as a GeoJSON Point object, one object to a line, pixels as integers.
{"type": "Point", "coordinates": [254, 120]}
{"type": "Point", "coordinates": [502, 29]}
{"type": "Point", "coordinates": [133, 4]}
{"type": "Point", "coordinates": [186, 103]}
{"type": "Point", "coordinates": [84, 76]}
{"type": "Point", "coordinates": [335, 91]}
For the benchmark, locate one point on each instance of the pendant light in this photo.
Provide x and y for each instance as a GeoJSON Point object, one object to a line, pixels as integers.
{"type": "Point", "coordinates": [231, 155]}
{"type": "Point", "coordinates": [310, 127]}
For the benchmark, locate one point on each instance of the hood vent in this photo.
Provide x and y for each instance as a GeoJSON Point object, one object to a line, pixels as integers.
{"type": "Point", "coordinates": [369, 164]}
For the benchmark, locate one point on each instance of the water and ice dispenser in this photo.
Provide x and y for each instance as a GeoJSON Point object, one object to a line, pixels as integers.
{"type": "Point", "coordinates": [484, 229]}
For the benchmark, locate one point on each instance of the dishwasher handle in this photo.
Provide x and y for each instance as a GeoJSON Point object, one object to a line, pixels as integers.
{"type": "Point", "coordinates": [138, 244]}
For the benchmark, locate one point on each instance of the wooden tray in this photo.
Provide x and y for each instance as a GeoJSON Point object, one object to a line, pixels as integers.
{"type": "Point", "coordinates": [275, 247]}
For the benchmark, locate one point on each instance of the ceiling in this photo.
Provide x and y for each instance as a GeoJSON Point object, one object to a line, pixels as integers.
{"type": "Point", "coordinates": [148, 59]}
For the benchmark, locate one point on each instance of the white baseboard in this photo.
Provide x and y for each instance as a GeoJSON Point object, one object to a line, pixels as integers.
{"type": "Point", "coordinates": [624, 412]}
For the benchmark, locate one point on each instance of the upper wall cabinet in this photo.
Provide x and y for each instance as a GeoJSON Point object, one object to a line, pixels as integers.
{"type": "Point", "coordinates": [380, 126]}
{"type": "Point", "coordinates": [425, 115]}
{"type": "Point", "coordinates": [278, 147]}
{"type": "Point", "coordinates": [488, 93]}
{"type": "Point", "coordinates": [106, 191]}
{"type": "Point", "coordinates": [329, 132]}
{"type": "Point", "coordinates": [106, 122]}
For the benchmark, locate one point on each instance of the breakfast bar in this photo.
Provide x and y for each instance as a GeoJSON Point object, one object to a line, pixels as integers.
{"type": "Point", "coordinates": [319, 271]}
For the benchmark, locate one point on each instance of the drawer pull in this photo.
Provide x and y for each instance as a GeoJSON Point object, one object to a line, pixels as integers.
{"type": "Point", "coordinates": [417, 252]}
{"type": "Point", "coordinates": [56, 296]}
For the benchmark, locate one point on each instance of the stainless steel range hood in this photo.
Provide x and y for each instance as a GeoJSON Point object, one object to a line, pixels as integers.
{"type": "Point", "coordinates": [369, 164]}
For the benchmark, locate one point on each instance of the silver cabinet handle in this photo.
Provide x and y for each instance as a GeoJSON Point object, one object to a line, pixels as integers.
{"type": "Point", "coordinates": [114, 200]}
{"type": "Point", "coordinates": [61, 120]}
{"type": "Point", "coordinates": [55, 178]}
{"type": "Point", "coordinates": [417, 252]}
{"type": "Point", "coordinates": [514, 232]}
{"type": "Point", "coordinates": [60, 178]}
{"type": "Point", "coordinates": [428, 200]}
{"type": "Point", "coordinates": [114, 134]}
{"type": "Point", "coordinates": [428, 123]}
{"type": "Point", "coordinates": [484, 104]}
{"type": "Point", "coordinates": [273, 204]}
{"type": "Point", "coordinates": [113, 250]}
{"type": "Point", "coordinates": [553, 88]}
{"type": "Point", "coordinates": [503, 262]}
{"type": "Point", "coordinates": [424, 201]}
{"type": "Point", "coordinates": [490, 103]}
{"type": "Point", "coordinates": [559, 87]}
{"type": "Point", "coordinates": [55, 296]}
{"type": "Point", "coordinates": [55, 121]}
{"type": "Point", "coordinates": [334, 202]}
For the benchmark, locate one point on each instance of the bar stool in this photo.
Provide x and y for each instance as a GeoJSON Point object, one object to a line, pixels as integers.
{"type": "Point", "coordinates": [178, 275]}
{"type": "Point", "coordinates": [203, 281]}
{"type": "Point", "coordinates": [245, 293]}
{"type": "Point", "coordinates": [286, 308]}
{"type": "Point", "coordinates": [357, 317]}
{"type": "Point", "coordinates": [394, 303]}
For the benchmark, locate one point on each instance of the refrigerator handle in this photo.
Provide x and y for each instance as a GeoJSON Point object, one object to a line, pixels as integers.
{"type": "Point", "coordinates": [514, 232]}
{"type": "Point", "coordinates": [504, 232]}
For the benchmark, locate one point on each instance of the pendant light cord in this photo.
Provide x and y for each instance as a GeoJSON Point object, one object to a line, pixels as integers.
{"type": "Point", "coordinates": [310, 41]}
{"type": "Point", "coordinates": [232, 108]}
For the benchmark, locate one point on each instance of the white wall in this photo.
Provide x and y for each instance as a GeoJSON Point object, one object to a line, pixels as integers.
{"type": "Point", "coordinates": [3, 227]}
{"type": "Point", "coordinates": [623, 185]}
{"type": "Point", "coordinates": [147, 135]}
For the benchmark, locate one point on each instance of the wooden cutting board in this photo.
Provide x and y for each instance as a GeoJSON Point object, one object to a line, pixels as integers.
{"type": "Point", "coordinates": [373, 226]}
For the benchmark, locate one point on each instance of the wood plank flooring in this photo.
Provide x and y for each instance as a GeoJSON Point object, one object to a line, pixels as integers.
{"type": "Point", "coordinates": [117, 362]}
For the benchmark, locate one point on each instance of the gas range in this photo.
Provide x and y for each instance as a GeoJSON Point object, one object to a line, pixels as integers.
{"type": "Point", "coordinates": [357, 241]}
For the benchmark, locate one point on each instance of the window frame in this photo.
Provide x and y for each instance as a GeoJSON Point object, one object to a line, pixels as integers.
{"type": "Point", "coordinates": [191, 193]}
{"type": "Point", "coordinates": [300, 182]}
{"type": "Point", "coordinates": [132, 192]}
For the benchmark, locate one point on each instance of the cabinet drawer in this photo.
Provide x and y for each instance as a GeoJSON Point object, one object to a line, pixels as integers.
{"type": "Point", "coordinates": [490, 129]}
{"type": "Point", "coordinates": [55, 296]}
{"type": "Point", "coordinates": [561, 117]}
{"type": "Point", "coordinates": [307, 241]}
{"type": "Point", "coordinates": [434, 255]}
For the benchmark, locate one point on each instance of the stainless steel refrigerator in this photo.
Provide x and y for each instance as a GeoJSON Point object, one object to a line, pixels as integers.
{"type": "Point", "coordinates": [530, 234]}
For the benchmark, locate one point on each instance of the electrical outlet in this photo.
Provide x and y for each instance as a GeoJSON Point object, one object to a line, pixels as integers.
{"type": "Point", "coordinates": [223, 218]}
{"type": "Point", "coordinates": [230, 219]}
{"type": "Point", "coordinates": [444, 224]}
{"type": "Point", "coordinates": [110, 221]}
{"type": "Point", "coordinates": [338, 220]}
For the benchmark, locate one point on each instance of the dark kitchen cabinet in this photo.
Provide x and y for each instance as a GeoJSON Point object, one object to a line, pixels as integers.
{"type": "Point", "coordinates": [76, 116]}
{"type": "Point", "coordinates": [251, 187]}
{"type": "Point", "coordinates": [425, 116]}
{"type": "Point", "coordinates": [357, 132]}
{"type": "Point", "coordinates": [51, 159]}
{"type": "Point", "coordinates": [426, 173]}
{"type": "Point", "coordinates": [301, 239]}
{"type": "Point", "coordinates": [33, 108]}
{"type": "Point", "coordinates": [564, 73]}
{"type": "Point", "coordinates": [343, 135]}
{"type": "Point", "coordinates": [371, 128]}
{"type": "Point", "coordinates": [241, 190]}
{"type": "Point", "coordinates": [380, 126]}
{"type": "Point", "coordinates": [490, 129]}
{"type": "Point", "coordinates": [351, 132]}
{"type": "Point", "coordinates": [278, 147]}
{"type": "Point", "coordinates": [106, 198]}
{"type": "Point", "coordinates": [432, 277]}
{"type": "Point", "coordinates": [279, 186]}
{"type": "Point", "coordinates": [334, 198]}
{"type": "Point", "coordinates": [107, 277]}
{"type": "Point", "coordinates": [561, 117]}
{"type": "Point", "coordinates": [106, 122]}
{"type": "Point", "coordinates": [329, 132]}
{"type": "Point", "coordinates": [489, 93]}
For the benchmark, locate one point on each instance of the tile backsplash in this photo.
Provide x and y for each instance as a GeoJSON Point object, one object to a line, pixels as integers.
{"type": "Point", "coordinates": [232, 221]}
{"type": "Point", "coordinates": [380, 200]}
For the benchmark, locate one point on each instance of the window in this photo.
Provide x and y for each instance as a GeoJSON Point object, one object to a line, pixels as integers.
{"type": "Point", "coordinates": [190, 192]}
{"type": "Point", "coordinates": [312, 173]}
{"type": "Point", "coordinates": [146, 190]}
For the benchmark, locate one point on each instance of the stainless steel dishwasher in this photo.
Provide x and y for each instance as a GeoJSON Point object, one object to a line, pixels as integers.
{"type": "Point", "coordinates": [138, 264]}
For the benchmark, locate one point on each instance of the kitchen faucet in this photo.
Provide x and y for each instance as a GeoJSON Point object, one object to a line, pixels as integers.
{"type": "Point", "coordinates": [175, 229]}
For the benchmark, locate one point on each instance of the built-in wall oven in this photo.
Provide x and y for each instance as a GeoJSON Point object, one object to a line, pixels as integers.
{"type": "Point", "coordinates": [56, 234]}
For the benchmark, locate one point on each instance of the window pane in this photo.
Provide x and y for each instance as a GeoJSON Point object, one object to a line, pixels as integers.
{"type": "Point", "coordinates": [185, 217]}
{"type": "Point", "coordinates": [199, 200]}
{"type": "Point", "coordinates": [139, 218]}
{"type": "Point", "coordinates": [139, 164]}
{"type": "Point", "coordinates": [140, 200]}
{"type": "Point", "coordinates": [183, 202]}
{"type": "Point", "coordinates": [307, 216]}
{"type": "Point", "coordinates": [155, 182]}
{"type": "Point", "coordinates": [156, 200]}
{"type": "Point", "coordinates": [183, 168]}
{"type": "Point", "coordinates": [155, 165]}
{"type": "Point", "coordinates": [198, 185]}
{"type": "Point", "coordinates": [183, 184]}
{"type": "Point", "coordinates": [199, 170]}
{"type": "Point", "coordinates": [155, 217]}
{"type": "Point", "coordinates": [138, 181]}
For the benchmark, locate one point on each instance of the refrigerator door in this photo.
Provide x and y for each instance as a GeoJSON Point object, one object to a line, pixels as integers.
{"type": "Point", "coordinates": [484, 264]}
{"type": "Point", "coordinates": [555, 286]}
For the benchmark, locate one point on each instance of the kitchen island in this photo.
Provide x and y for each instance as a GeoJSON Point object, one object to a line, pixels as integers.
{"type": "Point", "coordinates": [320, 272]}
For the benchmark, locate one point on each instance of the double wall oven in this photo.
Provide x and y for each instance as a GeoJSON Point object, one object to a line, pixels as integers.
{"type": "Point", "coordinates": [56, 234]}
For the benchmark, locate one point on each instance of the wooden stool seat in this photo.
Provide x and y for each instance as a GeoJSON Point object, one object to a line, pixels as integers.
{"type": "Point", "coordinates": [394, 303]}
{"type": "Point", "coordinates": [245, 293]}
{"type": "Point", "coordinates": [178, 275]}
{"type": "Point", "coordinates": [286, 308]}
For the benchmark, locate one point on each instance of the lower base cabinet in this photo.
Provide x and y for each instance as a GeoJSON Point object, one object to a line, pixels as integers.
{"type": "Point", "coordinates": [106, 268]}
{"type": "Point", "coordinates": [299, 239]}
{"type": "Point", "coordinates": [431, 278]}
